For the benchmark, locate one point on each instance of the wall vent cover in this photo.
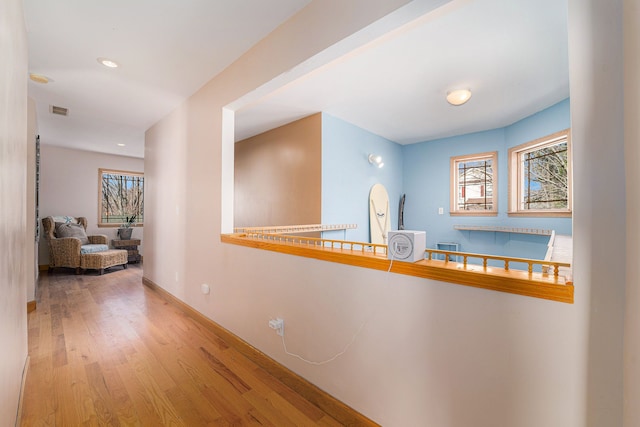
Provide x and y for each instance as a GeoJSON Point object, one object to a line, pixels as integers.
{"type": "Point", "coordinates": [61, 111]}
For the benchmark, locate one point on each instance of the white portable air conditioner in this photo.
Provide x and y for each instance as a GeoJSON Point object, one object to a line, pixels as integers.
{"type": "Point", "coordinates": [406, 245]}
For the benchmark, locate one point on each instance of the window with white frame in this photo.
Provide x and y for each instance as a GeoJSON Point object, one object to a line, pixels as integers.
{"type": "Point", "coordinates": [540, 176]}
{"type": "Point", "coordinates": [121, 197]}
{"type": "Point", "coordinates": [473, 180]}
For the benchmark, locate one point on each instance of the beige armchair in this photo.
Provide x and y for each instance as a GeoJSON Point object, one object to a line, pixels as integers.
{"type": "Point", "coordinates": [66, 251]}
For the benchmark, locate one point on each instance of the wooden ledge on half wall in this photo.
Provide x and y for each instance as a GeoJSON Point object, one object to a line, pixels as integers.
{"type": "Point", "coordinates": [532, 284]}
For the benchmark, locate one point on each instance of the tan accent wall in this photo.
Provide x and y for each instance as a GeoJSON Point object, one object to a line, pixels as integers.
{"type": "Point", "coordinates": [278, 175]}
{"type": "Point", "coordinates": [631, 373]}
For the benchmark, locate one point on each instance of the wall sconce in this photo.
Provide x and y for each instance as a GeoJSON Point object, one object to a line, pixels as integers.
{"type": "Point", "coordinates": [376, 160]}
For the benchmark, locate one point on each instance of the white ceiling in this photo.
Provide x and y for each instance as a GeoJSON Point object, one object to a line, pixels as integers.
{"type": "Point", "coordinates": [511, 53]}
{"type": "Point", "coordinates": [166, 49]}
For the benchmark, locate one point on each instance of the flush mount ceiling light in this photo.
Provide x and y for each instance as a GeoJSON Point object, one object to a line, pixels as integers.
{"type": "Point", "coordinates": [458, 96]}
{"type": "Point", "coordinates": [376, 160]}
{"type": "Point", "coordinates": [121, 144]}
{"type": "Point", "coordinates": [108, 62]}
{"type": "Point", "coordinates": [39, 78]}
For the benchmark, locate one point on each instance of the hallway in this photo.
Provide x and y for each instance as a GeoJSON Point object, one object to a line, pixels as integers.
{"type": "Point", "coordinates": [106, 350]}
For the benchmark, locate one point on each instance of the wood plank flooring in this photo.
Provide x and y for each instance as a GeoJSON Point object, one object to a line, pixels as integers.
{"type": "Point", "coordinates": [108, 351]}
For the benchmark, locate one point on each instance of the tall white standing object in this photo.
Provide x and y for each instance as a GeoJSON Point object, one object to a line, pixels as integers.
{"type": "Point", "coordinates": [379, 221]}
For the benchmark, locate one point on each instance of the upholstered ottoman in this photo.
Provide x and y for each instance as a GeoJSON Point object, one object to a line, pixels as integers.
{"type": "Point", "coordinates": [104, 259]}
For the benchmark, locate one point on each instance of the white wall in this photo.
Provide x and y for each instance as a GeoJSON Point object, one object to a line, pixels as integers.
{"type": "Point", "coordinates": [14, 241]}
{"type": "Point", "coordinates": [428, 353]}
{"type": "Point", "coordinates": [595, 62]}
{"type": "Point", "coordinates": [69, 186]}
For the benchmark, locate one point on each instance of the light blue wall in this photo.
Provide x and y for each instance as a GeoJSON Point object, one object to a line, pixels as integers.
{"type": "Point", "coordinates": [426, 183]}
{"type": "Point", "coordinates": [422, 172]}
{"type": "Point", "coordinates": [347, 176]}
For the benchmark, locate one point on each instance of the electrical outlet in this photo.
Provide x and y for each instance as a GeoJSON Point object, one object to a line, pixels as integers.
{"type": "Point", "coordinates": [278, 325]}
{"type": "Point", "coordinates": [440, 211]}
{"type": "Point", "coordinates": [205, 288]}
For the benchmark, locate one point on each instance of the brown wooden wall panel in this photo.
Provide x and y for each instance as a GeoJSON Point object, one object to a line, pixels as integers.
{"type": "Point", "coordinates": [278, 175]}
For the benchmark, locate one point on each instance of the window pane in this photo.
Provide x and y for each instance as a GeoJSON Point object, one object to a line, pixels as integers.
{"type": "Point", "coordinates": [475, 185]}
{"type": "Point", "coordinates": [122, 197]}
{"type": "Point", "coordinates": [545, 178]}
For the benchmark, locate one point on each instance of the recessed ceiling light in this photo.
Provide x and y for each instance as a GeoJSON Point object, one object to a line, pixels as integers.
{"type": "Point", "coordinates": [108, 62]}
{"type": "Point", "coordinates": [122, 145]}
{"type": "Point", "coordinates": [39, 78]}
{"type": "Point", "coordinates": [458, 96]}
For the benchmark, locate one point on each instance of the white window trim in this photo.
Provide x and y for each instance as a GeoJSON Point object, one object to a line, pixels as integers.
{"type": "Point", "coordinates": [101, 172]}
{"type": "Point", "coordinates": [515, 189]}
{"type": "Point", "coordinates": [453, 185]}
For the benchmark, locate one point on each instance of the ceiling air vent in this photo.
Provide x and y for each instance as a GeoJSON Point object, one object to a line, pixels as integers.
{"type": "Point", "coordinates": [61, 111]}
